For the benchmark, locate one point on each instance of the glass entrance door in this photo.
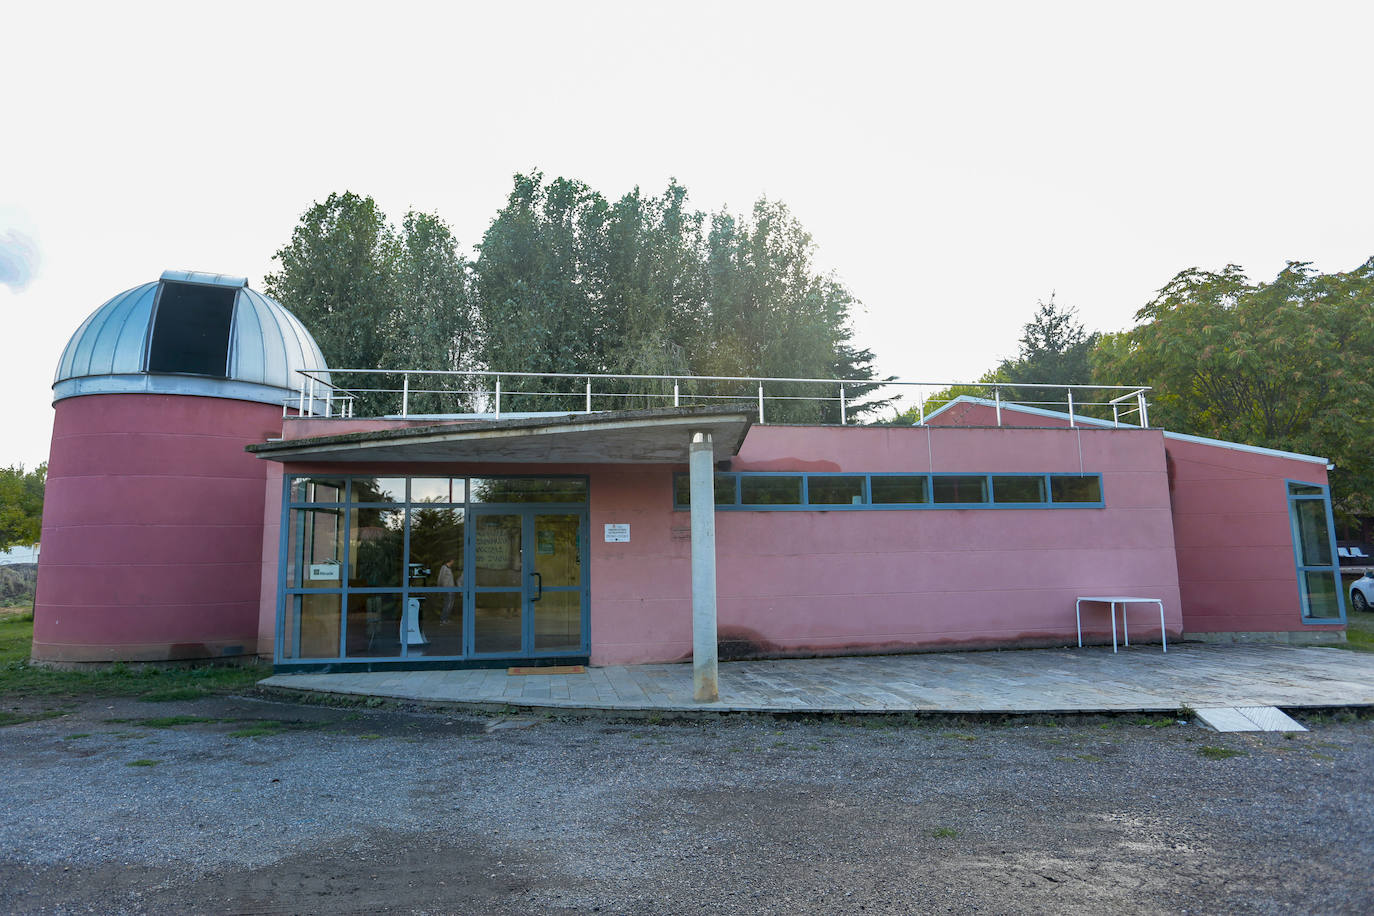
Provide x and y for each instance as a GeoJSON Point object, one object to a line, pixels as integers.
{"type": "Point", "coordinates": [529, 583]}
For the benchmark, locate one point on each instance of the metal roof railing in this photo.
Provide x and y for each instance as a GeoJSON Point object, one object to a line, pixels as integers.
{"type": "Point", "coordinates": [476, 393]}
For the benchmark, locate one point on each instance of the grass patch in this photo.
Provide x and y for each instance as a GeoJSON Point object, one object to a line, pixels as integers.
{"type": "Point", "coordinates": [258, 729]}
{"type": "Point", "coordinates": [944, 832]}
{"type": "Point", "coordinates": [370, 736]}
{"type": "Point", "coordinates": [1089, 758]}
{"type": "Point", "coordinates": [20, 679]}
{"type": "Point", "coordinates": [15, 718]}
{"type": "Point", "coordinates": [1212, 752]}
{"type": "Point", "coordinates": [1359, 631]}
{"type": "Point", "coordinates": [142, 762]}
{"type": "Point", "coordinates": [1154, 721]}
{"type": "Point", "coordinates": [162, 721]}
{"type": "Point", "coordinates": [960, 736]}
{"type": "Point", "coordinates": [77, 736]}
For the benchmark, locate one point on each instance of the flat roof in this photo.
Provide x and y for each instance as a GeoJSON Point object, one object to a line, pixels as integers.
{"type": "Point", "coordinates": [652, 436]}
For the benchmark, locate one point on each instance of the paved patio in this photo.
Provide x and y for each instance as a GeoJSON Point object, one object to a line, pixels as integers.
{"type": "Point", "coordinates": [1138, 679]}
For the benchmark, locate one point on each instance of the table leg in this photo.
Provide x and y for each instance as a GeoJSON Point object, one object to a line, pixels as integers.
{"type": "Point", "coordinates": [1163, 637]}
{"type": "Point", "coordinates": [1114, 626]}
{"type": "Point", "coordinates": [1078, 616]}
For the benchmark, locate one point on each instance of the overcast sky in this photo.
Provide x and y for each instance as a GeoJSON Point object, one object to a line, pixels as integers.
{"type": "Point", "coordinates": [954, 162]}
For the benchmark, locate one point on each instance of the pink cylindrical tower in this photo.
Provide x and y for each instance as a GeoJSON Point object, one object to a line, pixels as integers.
{"type": "Point", "coordinates": [152, 521]}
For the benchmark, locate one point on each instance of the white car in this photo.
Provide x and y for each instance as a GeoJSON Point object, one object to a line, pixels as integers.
{"type": "Point", "coordinates": [1362, 592]}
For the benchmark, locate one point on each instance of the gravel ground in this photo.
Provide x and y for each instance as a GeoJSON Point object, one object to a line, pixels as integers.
{"type": "Point", "coordinates": [271, 807]}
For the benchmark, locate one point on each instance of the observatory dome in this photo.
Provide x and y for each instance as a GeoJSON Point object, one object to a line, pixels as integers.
{"type": "Point", "coordinates": [189, 333]}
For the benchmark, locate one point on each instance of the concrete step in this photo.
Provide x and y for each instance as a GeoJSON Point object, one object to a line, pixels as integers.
{"type": "Point", "coordinates": [1247, 719]}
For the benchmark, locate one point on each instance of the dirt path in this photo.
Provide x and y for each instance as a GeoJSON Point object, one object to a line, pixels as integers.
{"type": "Point", "coordinates": [257, 807]}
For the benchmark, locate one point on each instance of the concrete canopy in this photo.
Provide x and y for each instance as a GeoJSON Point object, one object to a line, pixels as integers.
{"type": "Point", "coordinates": [656, 436]}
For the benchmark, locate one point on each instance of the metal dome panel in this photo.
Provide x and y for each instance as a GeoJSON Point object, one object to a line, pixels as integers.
{"type": "Point", "coordinates": [266, 346]}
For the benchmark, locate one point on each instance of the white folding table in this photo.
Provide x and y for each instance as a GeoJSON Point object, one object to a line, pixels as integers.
{"type": "Point", "coordinates": [1122, 600]}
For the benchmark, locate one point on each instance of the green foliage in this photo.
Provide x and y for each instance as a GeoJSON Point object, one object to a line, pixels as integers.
{"type": "Point", "coordinates": [568, 282]}
{"type": "Point", "coordinates": [21, 505]}
{"type": "Point", "coordinates": [1055, 350]}
{"type": "Point", "coordinates": [1287, 365]}
{"type": "Point", "coordinates": [20, 679]}
{"type": "Point", "coordinates": [376, 298]}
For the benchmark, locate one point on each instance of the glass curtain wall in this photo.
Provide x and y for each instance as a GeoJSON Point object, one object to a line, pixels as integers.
{"type": "Point", "coordinates": [376, 568]}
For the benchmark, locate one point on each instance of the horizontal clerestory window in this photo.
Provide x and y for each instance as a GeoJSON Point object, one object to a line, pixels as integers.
{"type": "Point", "coordinates": [770, 490]}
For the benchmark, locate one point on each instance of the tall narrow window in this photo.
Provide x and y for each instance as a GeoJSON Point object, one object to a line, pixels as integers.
{"type": "Point", "coordinates": [1319, 578]}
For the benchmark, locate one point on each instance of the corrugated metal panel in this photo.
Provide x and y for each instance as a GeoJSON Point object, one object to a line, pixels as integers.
{"type": "Point", "coordinates": [101, 345]}
{"type": "Point", "coordinates": [267, 343]}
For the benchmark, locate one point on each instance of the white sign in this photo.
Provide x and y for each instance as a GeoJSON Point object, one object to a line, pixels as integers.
{"type": "Point", "coordinates": [618, 534]}
{"type": "Point", "coordinates": [324, 570]}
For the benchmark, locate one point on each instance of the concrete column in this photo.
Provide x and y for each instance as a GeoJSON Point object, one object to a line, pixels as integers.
{"type": "Point", "coordinates": [701, 463]}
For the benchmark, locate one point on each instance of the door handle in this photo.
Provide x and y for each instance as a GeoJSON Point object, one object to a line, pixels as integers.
{"type": "Point", "coordinates": [540, 585]}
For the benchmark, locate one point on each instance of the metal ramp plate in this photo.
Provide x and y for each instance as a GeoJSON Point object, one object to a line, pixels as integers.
{"type": "Point", "coordinates": [1248, 719]}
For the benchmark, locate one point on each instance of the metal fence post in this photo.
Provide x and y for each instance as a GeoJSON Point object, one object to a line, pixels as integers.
{"type": "Point", "coordinates": [760, 402]}
{"type": "Point", "coordinates": [997, 399]}
{"type": "Point", "coordinates": [405, 394]}
{"type": "Point", "coordinates": [498, 397]}
{"type": "Point", "coordinates": [1144, 416]}
{"type": "Point", "coordinates": [1070, 391]}
{"type": "Point", "coordinates": [589, 394]}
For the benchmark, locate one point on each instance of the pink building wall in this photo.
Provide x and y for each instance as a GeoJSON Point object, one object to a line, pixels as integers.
{"type": "Point", "coordinates": [1233, 535]}
{"type": "Point", "coordinates": [830, 582]}
{"type": "Point", "coordinates": [152, 529]}
{"type": "Point", "coordinates": [1236, 567]}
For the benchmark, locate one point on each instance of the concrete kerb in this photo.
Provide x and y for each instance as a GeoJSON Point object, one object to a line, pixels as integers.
{"type": "Point", "coordinates": [983, 686]}
{"type": "Point", "coordinates": [655, 715]}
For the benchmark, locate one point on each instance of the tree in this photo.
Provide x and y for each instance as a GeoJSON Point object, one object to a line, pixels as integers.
{"type": "Point", "coordinates": [21, 505]}
{"type": "Point", "coordinates": [1055, 349]}
{"type": "Point", "coordinates": [377, 298]}
{"type": "Point", "coordinates": [770, 313]}
{"type": "Point", "coordinates": [338, 275]}
{"type": "Point", "coordinates": [1287, 364]}
{"type": "Point", "coordinates": [568, 282]}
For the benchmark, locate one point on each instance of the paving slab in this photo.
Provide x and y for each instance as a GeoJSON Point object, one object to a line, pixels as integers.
{"type": "Point", "coordinates": [1139, 679]}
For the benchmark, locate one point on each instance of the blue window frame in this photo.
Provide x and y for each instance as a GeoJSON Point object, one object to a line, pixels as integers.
{"type": "Point", "coordinates": [756, 491]}
{"type": "Point", "coordinates": [1314, 553]}
{"type": "Point", "coordinates": [359, 551]}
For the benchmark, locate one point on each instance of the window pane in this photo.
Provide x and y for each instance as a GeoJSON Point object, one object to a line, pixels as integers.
{"type": "Point", "coordinates": [724, 486]}
{"type": "Point", "coordinates": [312, 626]}
{"type": "Point", "coordinates": [834, 491]}
{"type": "Point", "coordinates": [314, 548]}
{"type": "Point", "coordinates": [317, 490]}
{"type": "Point", "coordinates": [375, 541]}
{"type": "Point", "coordinates": [1076, 489]}
{"type": "Point", "coordinates": [770, 491]}
{"type": "Point", "coordinates": [436, 489]}
{"type": "Point", "coordinates": [1314, 539]}
{"type": "Point", "coordinates": [961, 489]}
{"type": "Point", "coordinates": [498, 551]}
{"type": "Point", "coordinates": [379, 490]}
{"type": "Point", "coordinates": [436, 547]}
{"type": "Point", "coordinates": [1304, 489]}
{"type": "Point", "coordinates": [528, 490]}
{"type": "Point", "coordinates": [1018, 489]}
{"type": "Point", "coordinates": [496, 622]}
{"type": "Point", "coordinates": [558, 550]}
{"type": "Point", "coordinates": [558, 622]}
{"type": "Point", "coordinates": [1321, 595]}
{"type": "Point", "coordinates": [374, 627]}
{"type": "Point", "coordinates": [890, 490]}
